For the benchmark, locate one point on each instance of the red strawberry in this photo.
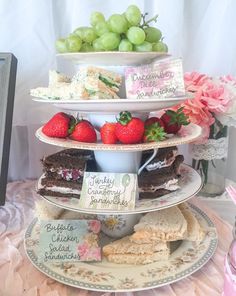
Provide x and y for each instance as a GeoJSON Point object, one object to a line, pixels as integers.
{"type": "Point", "coordinates": [152, 120]}
{"type": "Point", "coordinates": [173, 120]}
{"type": "Point", "coordinates": [108, 134]}
{"type": "Point", "coordinates": [154, 133]}
{"type": "Point", "coordinates": [84, 132]}
{"type": "Point", "coordinates": [58, 126]}
{"type": "Point", "coordinates": [129, 130]}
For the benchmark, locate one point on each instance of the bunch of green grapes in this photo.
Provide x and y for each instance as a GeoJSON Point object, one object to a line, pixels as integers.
{"type": "Point", "coordinates": [121, 32]}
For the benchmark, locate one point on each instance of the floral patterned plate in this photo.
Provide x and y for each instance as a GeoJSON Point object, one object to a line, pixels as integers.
{"type": "Point", "coordinates": [187, 258]}
{"type": "Point", "coordinates": [187, 135]}
{"type": "Point", "coordinates": [190, 184]}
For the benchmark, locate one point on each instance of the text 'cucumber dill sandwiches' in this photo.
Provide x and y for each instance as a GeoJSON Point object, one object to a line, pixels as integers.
{"type": "Point", "coordinates": [89, 83]}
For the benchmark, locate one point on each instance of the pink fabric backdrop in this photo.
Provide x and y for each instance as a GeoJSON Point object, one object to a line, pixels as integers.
{"type": "Point", "coordinates": [20, 278]}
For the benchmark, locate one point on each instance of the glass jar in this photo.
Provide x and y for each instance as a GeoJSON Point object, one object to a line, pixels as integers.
{"type": "Point", "coordinates": [210, 160]}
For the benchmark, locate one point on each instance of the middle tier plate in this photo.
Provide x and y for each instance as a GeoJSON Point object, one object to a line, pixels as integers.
{"type": "Point", "coordinates": [188, 134]}
{"type": "Point", "coordinates": [190, 184]}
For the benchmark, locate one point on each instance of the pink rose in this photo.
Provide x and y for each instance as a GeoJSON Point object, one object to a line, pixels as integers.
{"type": "Point", "coordinates": [194, 81]}
{"type": "Point", "coordinates": [215, 97]}
{"type": "Point", "coordinates": [199, 114]}
{"type": "Point", "coordinates": [94, 226]}
{"type": "Point", "coordinates": [83, 250]}
{"type": "Point", "coordinates": [88, 253]}
{"type": "Point", "coordinates": [228, 79]}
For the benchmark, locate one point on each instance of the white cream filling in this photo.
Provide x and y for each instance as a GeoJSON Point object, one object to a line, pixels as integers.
{"type": "Point", "coordinates": [162, 164]}
{"type": "Point", "coordinates": [171, 185]}
{"type": "Point", "coordinates": [64, 190]}
{"type": "Point", "coordinates": [60, 171]}
{"type": "Point", "coordinates": [156, 165]}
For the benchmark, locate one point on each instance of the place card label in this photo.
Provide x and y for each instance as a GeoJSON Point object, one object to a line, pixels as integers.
{"type": "Point", "coordinates": [69, 240]}
{"type": "Point", "coordinates": [109, 191]}
{"type": "Point", "coordinates": [156, 80]}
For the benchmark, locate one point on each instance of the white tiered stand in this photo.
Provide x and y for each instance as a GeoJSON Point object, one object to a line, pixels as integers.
{"type": "Point", "coordinates": [105, 276]}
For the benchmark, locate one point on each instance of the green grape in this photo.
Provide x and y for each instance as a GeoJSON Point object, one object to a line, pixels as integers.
{"type": "Point", "coordinates": [61, 45]}
{"type": "Point", "coordinates": [128, 24]}
{"type": "Point", "coordinates": [100, 28]}
{"type": "Point", "coordinates": [125, 45]}
{"type": "Point", "coordinates": [160, 47]}
{"type": "Point", "coordinates": [73, 43]}
{"type": "Point", "coordinates": [86, 47]}
{"type": "Point", "coordinates": [96, 17]}
{"type": "Point", "coordinates": [133, 15]}
{"type": "Point", "coordinates": [145, 46]}
{"type": "Point", "coordinates": [117, 23]}
{"type": "Point", "coordinates": [97, 45]}
{"type": "Point", "coordinates": [136, 35]}
{"type": "Point", "coordinates": [89, 35]}
{"type": "Point", "coordinates": [86, 34]}
{"type": "Point", "coordinates": [152, 34]}
{"type": "Point", "coordinates": [79, 31]}
{"type": "Point", "coordinates": [110, 40]}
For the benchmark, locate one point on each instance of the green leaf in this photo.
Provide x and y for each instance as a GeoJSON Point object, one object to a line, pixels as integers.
{"type": "Point", "coordinates": [125, 117]}
{"type": "Point", "coordinates": [155, 133]}
{"type": "Point", "coordinates": [180, 109]}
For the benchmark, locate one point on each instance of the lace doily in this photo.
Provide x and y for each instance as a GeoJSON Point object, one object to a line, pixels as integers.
{"type": "Point", "coordinates": [213, 149]}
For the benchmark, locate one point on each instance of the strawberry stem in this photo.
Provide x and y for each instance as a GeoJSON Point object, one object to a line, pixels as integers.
{"type": "Point", "coordinates": [72, 124]}
{"type": "Point", "coordinates": [124, 117]}
{"type": "Point", "coordinates": [154, 133]}
{"type": "Point", "coordinates": [177, 117]}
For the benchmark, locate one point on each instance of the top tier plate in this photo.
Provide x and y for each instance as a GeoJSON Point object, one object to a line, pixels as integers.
{"type": "Point", "coordinates": [115, 105]}
{"type": "Point", "coordinates": [113, 58]}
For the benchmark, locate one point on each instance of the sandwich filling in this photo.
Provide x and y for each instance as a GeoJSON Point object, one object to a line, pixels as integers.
{"type": "Point", "coordinates": [64, 190]}
{"type": "Point", "coordinates": [70, 174]}
{"type": "Point", "coordinates": [58, 186]}
{"type": "Point", "coordinates": [89, 82]}
{"type": "Point", "coordinates": [159, 164]}
{"type": "Point", "coordinates": [170, 185]}
{"type": "Point", "coordinates": [109, 82]}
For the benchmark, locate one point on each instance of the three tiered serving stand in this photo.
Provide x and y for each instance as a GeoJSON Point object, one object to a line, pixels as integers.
{"type": "Point", "coordinates": [187, 257]}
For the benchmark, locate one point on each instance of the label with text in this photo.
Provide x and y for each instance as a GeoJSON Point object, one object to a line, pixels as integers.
{"type": "Point", "coordinates": [156, 80]}
{"type": "Point", "coordinates": [69, 240]}
{"type": "Point", "coordinates": [109, 191]}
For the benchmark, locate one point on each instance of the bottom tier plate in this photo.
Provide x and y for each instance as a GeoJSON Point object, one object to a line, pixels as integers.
{"type": "Point", "coordinates": [190, 184]}
{"type": "Point", "coordinates": [110, 277]}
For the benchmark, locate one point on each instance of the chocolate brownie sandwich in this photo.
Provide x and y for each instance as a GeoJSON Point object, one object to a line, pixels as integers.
{"type": "Point", "coordinates": [61, 188]}
{"type": "Point", "coordinates": [162, 176]}
{"type": "Point", "coordinates": [67, 164]}
{"type": "Point", "coordinates": [63, 172]}
{"type": "Point", "coordinates": [164, 158]}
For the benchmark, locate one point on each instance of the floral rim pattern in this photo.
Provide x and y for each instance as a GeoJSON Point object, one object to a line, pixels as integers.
{"type": "Point", "coordinates": [190, 185]}
{"type": "Point", "coordinates": [189, 133]}
{"type": "Point", "coordinates": [108, 277]}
